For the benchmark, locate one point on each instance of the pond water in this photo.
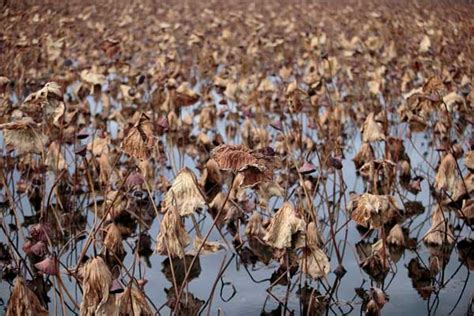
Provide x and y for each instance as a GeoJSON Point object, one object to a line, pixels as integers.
{"type": "Point", "coordinates": [243, 289]}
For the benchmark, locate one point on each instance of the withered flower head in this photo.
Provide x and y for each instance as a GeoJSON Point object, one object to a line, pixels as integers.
{"type": "Point", "coordinates": [96, 283]}
{"type": "Point", "coordinates": [39, 249]}
{"type": "Point", "coordinates": [172, 238]}
{"type": "Point", "coordinates": [282, 226]}
{"type": "Point", "coordinates": [24, 136]}
{"type": "Point", "coordinates": [184, 193]}
{"type": "Point", "coordinates": [307, 168]}
{"type": "Point", "coordinates": [373, 211]}
{"type": "Point", "coordinates": [23, 301]}
{"type": "Point", "coordinates": [48, 266]}
{"type": "Point", "coordinates": [140, 139]}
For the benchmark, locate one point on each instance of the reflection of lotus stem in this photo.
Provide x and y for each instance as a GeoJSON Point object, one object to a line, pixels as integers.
{"type": "Point", "coordinates": [188, 272]}
{"type": "Point", "coordinates": [384, 254]}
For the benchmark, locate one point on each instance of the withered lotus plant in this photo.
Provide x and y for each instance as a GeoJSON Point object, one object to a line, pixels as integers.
{"type": "Point", "coordinates": [314, 261]}
{"type": "Point", "coordinates": [48, 266]}
{"type": "Point", "coordinates": [48, 101]}
{"type": "Point", "coordinates": [463, 187]}
{"type": "Point", "coordinates": [114, 204]}
{"type": "Point", "coordinates": [133, 302]}
{"type": "Point", "coordinates": [256, 165]}
{"type": "Point", "coordinates": [185, 96]}
{"type": "Point", "coordinates": [467, 211]}
{"type": "Point", "coordinates": [55, 158]}
{"type": "Point", "coordinates": [447, 174]}
{"type": "Point", "coordinates": [377, 300]}
{"type": "Point", "coordinates": [364, 155]}
{"type": "Point", "coordinates": [283, 225]}
{"type": "Point", "coordinates": [268, 190]}
{"type": "Point", "coordinates": [255, 226]}
{"type": "Point", "coordinates": [440, 233]}
{"type": "Point", "coordinates": [172, 238]}
{"type": "Point", "coordinates": [381, 173]}
{"type": "Point", "coordinates": [373, 259]}
{"type": "Point", "coordinates": [395, 149]}
{"type": "Point", "coordinates": [396, 237]}
{"type": "Point", "coordinates": [140, 139]}
{"type": "Point", "coordinates": [184, 194]}
{"type": "Point", "coordinates": [96, 283]}
{"type": "Point", "coordinates": [469, 160]}
{"type": "Point", "coordinates": [211, 179]}
{"type": "Point", "coordinates": [23, 301]}
{"type": "Point", "coordinates": [372, 211]}
{"type": "Point", "coordinates": [113, 243]}
{"type": "Point", "coordinates": [24, 135]}
{"type": "Point", "coordinates": [177, 97]}
{"type": "Point", "coordinates": [207, 117]}
{"type": "Point", "coordinates": [372, 130]}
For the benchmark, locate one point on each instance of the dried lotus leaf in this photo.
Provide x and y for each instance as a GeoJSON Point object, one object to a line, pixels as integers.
{"type": "Point", "coordinates": [24, 136]}
{"type": "Point", "coordinates": [283, 225]}
{"type": "Point", "coordinates": [140, 139]}
{"type": "Point", "coordinates": [184, 194]}
{"type": "Point", "coordinates": [96, 283]}
{"type": "Point", "coordinates": [172, 238]}
{"type": "Point", "coordinates": [23, 301]}
{"type": "Point", "coordinates": [315, 263]}
{"type": "Point", "coordinates": [372, 130]}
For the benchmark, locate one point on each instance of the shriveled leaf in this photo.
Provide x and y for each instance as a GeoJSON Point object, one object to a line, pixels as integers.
{"type": "Point", "coordinates": [172, 238]}
{"type": "Point", "coordinates": [140, 139]}
{"type": "Point", "coordinates": [96, 283]}
{"type": "Point", "coordinates": [23, 301]}
{"type": "Point", "coordinates": [373, 211]}
{"type": "Point", "coordinates": [24, 135]}
{"type": "Point", "coordinates": [315, 263]}
{"type": "Point", "coordinates": [283, 225]}
{"type": "Point", "coordinates": [184, 194]}
{"type": "Point", "coordinates": [372, 130]}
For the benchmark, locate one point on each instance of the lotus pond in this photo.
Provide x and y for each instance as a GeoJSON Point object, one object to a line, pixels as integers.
{"type": "Point", "coordinates": [236, 157]}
